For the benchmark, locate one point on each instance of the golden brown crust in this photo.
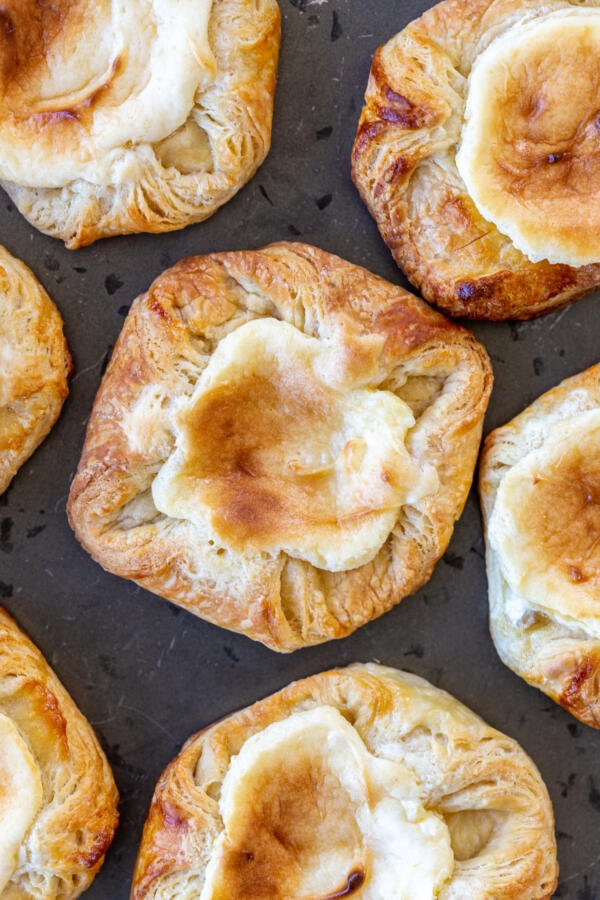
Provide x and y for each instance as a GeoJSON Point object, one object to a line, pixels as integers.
{"type": "Point", "coordinates": [383, 335]}
{"type": "Point", "coordinates": [180, 178]}
{"type": "Point", "coordinates": [34, 365]}
{"type": "Point", "coordinates": [546, 642]}
{"type": "Point", "coordinates": [403, 163]}
{"type": "Point", "coordinates": [508, 854]}
{"type": "Point", "coordinates": [65, 847]}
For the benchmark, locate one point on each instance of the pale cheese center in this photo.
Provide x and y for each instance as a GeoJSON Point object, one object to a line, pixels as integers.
{"type": "Point", "coordinates": [530, 149]}
{"type": "Point", "coordinates": [344, 817]}
{"type": "Point", "coordinates": [272, 456]}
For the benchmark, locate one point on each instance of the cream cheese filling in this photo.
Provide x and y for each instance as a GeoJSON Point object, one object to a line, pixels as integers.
{"type": "Point", "coordinates": [529, 145]}
{"type": "Point", "coordinates": [272, 456]}
{"type": "Point", "coordinates": [129, 79]}
{"type": "Point", "coordinates": [367, 820]}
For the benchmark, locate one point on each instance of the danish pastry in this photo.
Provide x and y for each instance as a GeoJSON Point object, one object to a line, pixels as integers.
{"type": "Point", "coordinates": [477, 154]}
{"type": "Point", "coordinates": [58, 801]}
{"type": "Point", "coordinates": [34, 365]}
{"type": "Point", "coordinates": [126, 117]}
{"type": "Point", "coordinates": [281, 443]}
{"type": "Point", "coordinates": [362, 781]}
{"type": "Point", "coordinates": [540, 492]}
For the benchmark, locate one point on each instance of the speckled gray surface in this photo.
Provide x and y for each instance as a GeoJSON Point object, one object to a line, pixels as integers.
{"type": "Point", "coordinates": [147, 674]}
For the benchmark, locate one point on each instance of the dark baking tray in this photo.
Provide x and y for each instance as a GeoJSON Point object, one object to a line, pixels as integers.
{"type": "Point", "coordinates": [147, 674]}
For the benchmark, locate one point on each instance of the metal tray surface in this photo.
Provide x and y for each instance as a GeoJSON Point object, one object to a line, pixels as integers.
{"type": "Point", "coordinates": [147, 674]}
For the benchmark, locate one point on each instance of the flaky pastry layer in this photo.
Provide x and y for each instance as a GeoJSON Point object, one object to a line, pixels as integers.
{"type": "Point", "coordinates": [34, 365]}
{"type": "Point", "coordinates": [354, 756]}
{"type": "Point", "coordinates": [192, 486]}
{"type": "Point", "coordinates": [540, 494]}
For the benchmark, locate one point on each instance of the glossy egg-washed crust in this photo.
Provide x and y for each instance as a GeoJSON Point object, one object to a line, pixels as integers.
{"type": "Point", "coordinates": [65, 846]}
{"type": "Point", "coordinates": [167, 340]}
{"type": "Point", "coordinates": [403, 163]}
{"type": "Point", "coordinates": [398, 716]}
{"type": "Point", "coordinates": [562, 662]}
{"type": "Point", "coordinates": [236, 112]}
{"type": "Point", "coordinates": [34, 365]}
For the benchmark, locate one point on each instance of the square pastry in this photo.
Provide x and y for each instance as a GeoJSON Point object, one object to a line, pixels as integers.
{"type": "Point", "coordinates": [540, 492]}
{"type": "Point", "coordinates": [477, 153]}
{"type": "Point", "coordinates": [119, 117]}
{"type": "Point", "coordinates": [363, 781]}
{"type": "Point", "coordinates": [282, 443]}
